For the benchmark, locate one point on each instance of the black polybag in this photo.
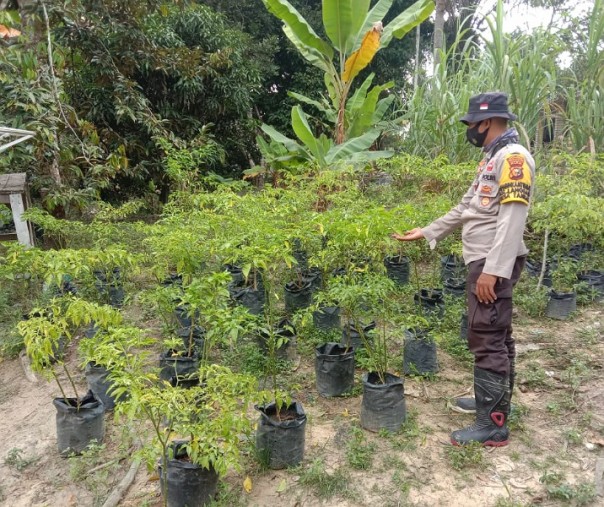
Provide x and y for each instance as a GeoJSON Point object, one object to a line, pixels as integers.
{"type": "Point", "coordinates": [78, 427]}
{"type": "Point", "coordinates": [334, 369]}
{"type": "Point", "coordinates": [383, 405]}
{"type": "Point", "coordinates": [419, 355]}
{"type": "Point", "coordinates": [281, 443]}
{"type": "Point", "coordinates": [189, 484]}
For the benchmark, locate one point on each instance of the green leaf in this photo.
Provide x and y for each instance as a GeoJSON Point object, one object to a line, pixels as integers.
{"type": "Point", "coordinates": [407, 20]}
{"type": "Point", "coordinates": [311, 54]}
{"type": "Point", "coordinates": [360, 10]}
{"type": "Point", "coordinates": [368, 156]}
{"type": "Point", "coordinates": [377, 13]}
{"type": "Point", "coordinates": [329, 112]}
{"type": "Point", "coordinates": [299, 29]}
{"type": "Point", "coordinates": [352, 146]}
{"type": "Point", "coordinates": [304, 133]}
{"type": "Point", "coordinates": [275, 135]}
{"type": "Point", "coordinates": [359, 95]}
{"type": "Point", "coordinates": [341, 19]}
{"type": "Point", "coordinates": [364, 116]}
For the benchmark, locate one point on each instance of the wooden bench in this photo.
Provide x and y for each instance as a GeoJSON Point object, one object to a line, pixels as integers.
{"type": "Point", "coordinates": [14, 192]}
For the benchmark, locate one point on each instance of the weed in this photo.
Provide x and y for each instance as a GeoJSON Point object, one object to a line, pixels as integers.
{"type": "Point", "coordinates": [465, 456]}
{"type": "Point", "coordinates": [324, 484]}
{"type": "Point", "coordinates": [250, 359]}
{"type": "Point", "coordinates": [573, 435]}
{"type": "Point", "coordinates": [507, 502]}
{"type": "Point", "coordinates": [551, 477]}
{"type": "Point", "coordinates": [515, 456]}
{"type": "Point", "coordinates": [589, 335]}
{"type": "Point", "coordinates": [581, 494]}
{"type": "Point", "coordinates": [577, 373]}
{"type": "Point", "coordinates": [357, 390]}
{"type": "Point", "coordinates": [228, 496]}
{"type": "Point", "coordinates": [553, 407]}
{"type": "Point", "coordinates": [399, 481]}
{"type": "Point", "coordinates": [515, 420]}
{"type": "Point", "coordinates": [359, 452]}
{"type": "Point", "coordinates": [530, 300]}
{"type": "Point", "coordinates": [10, 343]}
{"type": "Point", "coordinates": [392, 461]}
{"type": "Point", "coordinates": [15, 459]}
{"type": "Point", "coordinates": [89, 470]}
{"type": "Point", "coordinates": [534, 375]}
{"type": "Point", "coordinates": [404, 440]}
{"type": "Point", "coordinates": [456, 347]}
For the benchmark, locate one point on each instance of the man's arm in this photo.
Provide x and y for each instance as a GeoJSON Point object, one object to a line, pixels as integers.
{"type": "Point", "coordinates": [441, 227]}
{"type": "Point", "coordinates": [445, 225]}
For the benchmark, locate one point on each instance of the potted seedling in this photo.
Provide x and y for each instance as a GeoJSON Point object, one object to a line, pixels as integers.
{"type": "Point", "coordinates": [280, 436]}
{"type": "Point", "coordinates": [563, 297]}
{"type": "Point", "coordinates": [213, 322]}
{"type": "Point", "coordinates": [355, 300]}
{"type": "Point", "coordinates": [79, 416]}
{"type": "Point", "coordinates": [591, 276]}
{"type": "Point", "coordinates": [298, 293]}
{"type": "Point", "coordinates": [110, 350]}
{"type": "Point", "coordinates": [383, 403]}
{"type": "Point", "coordinates": [197, 432]}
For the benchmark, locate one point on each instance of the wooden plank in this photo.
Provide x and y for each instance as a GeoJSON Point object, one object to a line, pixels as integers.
{"type": "Point", "coordinates": [12, 183]}
{"type": "Point", "coordinates": [8, 236]}
{"type": "Point", "coordinates": [17, 204]}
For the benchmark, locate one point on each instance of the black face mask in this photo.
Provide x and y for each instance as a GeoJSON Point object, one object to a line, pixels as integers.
{"type": "Point", "coordinates": [476, 138]}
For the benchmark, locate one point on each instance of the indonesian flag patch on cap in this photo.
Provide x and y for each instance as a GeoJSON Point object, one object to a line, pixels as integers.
{"type": "Point", "coordinates": [484, 106]}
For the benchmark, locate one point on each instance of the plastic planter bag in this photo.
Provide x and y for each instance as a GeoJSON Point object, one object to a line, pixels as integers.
{"type": "Point", "coordinates": [352, 337]}
{"type": "Point", "coordinates": [397, 269]}
{"type": "Point", "coordinates": [189, 485]}
{"type": "Point", "coordinates": [327, 318]}
{"type": "Point", "coordinates": [78, 427]}
{"type": "Point", "coordinates": [280, 438]}
{"type": "Point", "coordinates": [96, 376]}
{"type": "Point", "coordinates": [334, 369]}
{"type": "Point", "coordinates": [419, 353]}
{"type": "Point", "coordinates": [560, 305]}
{"type": "Point", "coordinates": [383, 405]}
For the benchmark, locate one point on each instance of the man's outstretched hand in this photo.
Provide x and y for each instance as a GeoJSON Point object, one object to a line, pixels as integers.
{"type": "Point", "coordinates": [411, 235]}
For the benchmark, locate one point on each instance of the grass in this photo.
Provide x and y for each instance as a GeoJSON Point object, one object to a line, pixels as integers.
{"type": "Point", "coordinates": [516, 419]}
{"type": "Point", "coordinates": [17, 461]}
{"type": "Point", "coordinates": [533, 375]}
{"type": "Point", "coordinates": [359, 452]}
{"type": "Point", "coordinates": [465, 456]}
{"type": "Point", "coordinates": [325, 485]}
{"type": "Point", "coordinates": [580, 494]}
{"type": "Point", "coordinates": [95, 471]}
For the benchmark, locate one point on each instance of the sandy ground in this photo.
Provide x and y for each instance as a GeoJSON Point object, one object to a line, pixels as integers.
{"type": "Point", "coordinates": [561, 433]}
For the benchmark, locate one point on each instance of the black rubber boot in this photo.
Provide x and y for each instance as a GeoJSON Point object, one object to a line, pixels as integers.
{"type": "Point", "coordinates": [468, 405]}
{"type": "Point", "coordinates": [492, 410]}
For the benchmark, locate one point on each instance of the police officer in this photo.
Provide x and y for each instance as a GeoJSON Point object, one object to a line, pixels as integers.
{"type": "Point", "coordinates": [492, 215]}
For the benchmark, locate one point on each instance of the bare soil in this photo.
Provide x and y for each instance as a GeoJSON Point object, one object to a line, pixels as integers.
{"type": "Point", "coordinates": [556, 441]}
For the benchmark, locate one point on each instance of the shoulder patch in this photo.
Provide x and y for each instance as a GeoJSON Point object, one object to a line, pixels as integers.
{"type": "Point", "coordinates": [515, 179]}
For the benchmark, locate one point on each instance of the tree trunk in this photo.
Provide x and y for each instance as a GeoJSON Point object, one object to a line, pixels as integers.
{"type": "Point", "coordinates": [439, 24]}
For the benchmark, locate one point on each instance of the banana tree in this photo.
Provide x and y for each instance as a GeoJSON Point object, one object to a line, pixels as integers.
{"type": "Point", "coordinates": [356, 34]}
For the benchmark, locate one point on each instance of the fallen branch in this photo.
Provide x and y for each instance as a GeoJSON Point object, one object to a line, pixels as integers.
{"type": "Point", "coordinates": [116, 495]}
{"type": "Point", "coordinates": [100, 467]}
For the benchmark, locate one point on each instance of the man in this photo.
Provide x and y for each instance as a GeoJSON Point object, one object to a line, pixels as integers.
{"type": "Point", "coordinates": [493, 215]}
